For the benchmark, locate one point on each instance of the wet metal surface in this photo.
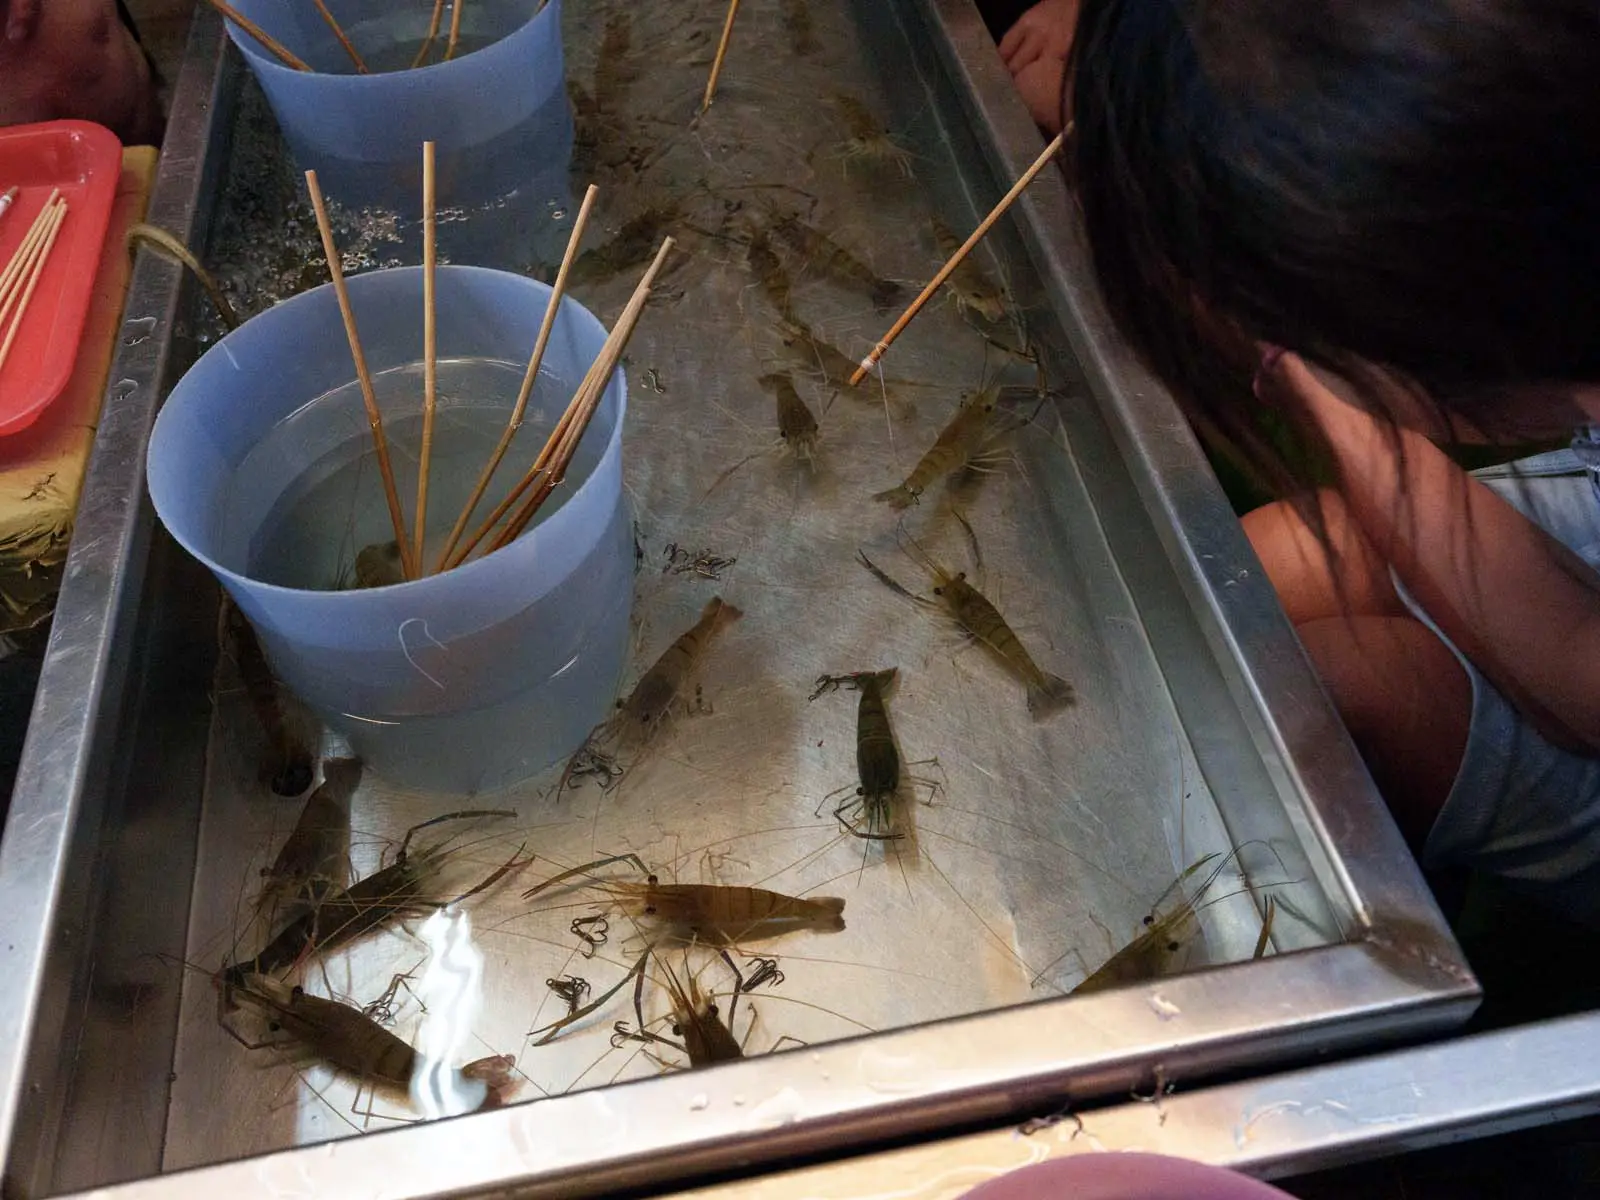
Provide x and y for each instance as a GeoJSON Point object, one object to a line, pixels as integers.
{"type": "Point", "coordinates": [1033, 848]}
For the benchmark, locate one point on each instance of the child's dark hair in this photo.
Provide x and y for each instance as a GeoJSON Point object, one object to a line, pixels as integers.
{"type": "Point", "coordinates": [1400, 189]}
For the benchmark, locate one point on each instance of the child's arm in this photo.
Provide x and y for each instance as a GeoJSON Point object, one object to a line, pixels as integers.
{"type": "Point", "coordinates": [1516, 602]}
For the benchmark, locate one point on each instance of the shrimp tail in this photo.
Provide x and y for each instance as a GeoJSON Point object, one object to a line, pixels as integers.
{"type": "Point", "coordinates": [885, 293]}
{"type": "Point", "coordinates": [1049, 694]}
{"type": "Point", "coordinates": [724, 614]}
{"type": "Point", "coordinates": [897, 498]}
{"type": "Point", "coordinates": [833, 906]}
{"type": "Point", "coordinates": [495, 1073]}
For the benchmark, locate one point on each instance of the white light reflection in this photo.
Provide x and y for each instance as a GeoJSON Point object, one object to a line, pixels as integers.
{"type": "Point", "coordinates": [451, 993]}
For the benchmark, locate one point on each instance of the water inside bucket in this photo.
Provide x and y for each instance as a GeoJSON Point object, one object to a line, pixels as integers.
{"type": "Point", "coordinates": [309, 496]}
{"type": "Point", "coordinates": [391, 42]}
{"type": "Point", "coordinates": [498, 113]}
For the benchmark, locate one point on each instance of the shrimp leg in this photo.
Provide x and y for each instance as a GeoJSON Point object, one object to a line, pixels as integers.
{"type": "Point", "coordinates": [599, 1001]}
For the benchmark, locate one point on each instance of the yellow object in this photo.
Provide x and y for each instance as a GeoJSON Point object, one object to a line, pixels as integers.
{"type": "Point", "coordinates": [42, 467]}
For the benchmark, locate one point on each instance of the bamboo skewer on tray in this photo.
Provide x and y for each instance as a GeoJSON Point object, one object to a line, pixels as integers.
{"type": "Point", "coordinates": [20, 257]}
{"type": "Point", "coordinates": [999, 210]}
{"type": "Point", "coordinates": [529, 379]}
{"type": "Point", "coordinates": [26, 268]}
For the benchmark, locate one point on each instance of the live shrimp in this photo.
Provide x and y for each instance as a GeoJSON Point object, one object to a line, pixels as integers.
{"type": "Point", "coordinates": [877, 757]}
{"type": "Point", "coordinates": [307, 865]}
{"type": "Point", "coordinates": [289, 767]}
{"type": "Point", "coordinates": [1165, 935]}
{"type": "Point", "coordinates": [665, 681]}
{"type": "Point", "coordinates": [642, 711]}
{"type": "Point", "coordinates": [958, 446]}
{"type": "Point", "coordinates": [823, 255]}
{"type": "Point", "coordinates": [614, 68]}
{"type": "Point", "coordinates": [797, 20]}
{"type": "Point", "coordinates": [408, 887]}
{"type": "Point", "coordinates": [769, 271]}
{"type": "Point", "coordinates": [348, 1040]}
{"type": "Point", "coordinates": [974, 613]}
{"type": "Point", "coordinates": [633, 244]}
{"type": "Point", "coordinates": [867, 140]}
{"type": "Point", "coordinates": [797, 424]}
{"type": "Point", "coordinates": [969, 283]}
{"type": "Point", "coordinates": [707, 1038]}
{"type": "Point", "coordinates": [712, 914]}
{"type": "Point", "coordinates": [806, 349]}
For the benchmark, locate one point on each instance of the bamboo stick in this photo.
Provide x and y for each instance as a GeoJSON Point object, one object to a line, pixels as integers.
{"type": "Point", "coordinates": [17, 270]}
{"type": "Point", "coordinates": [271, 44]}
{"type": "Point", "coordinates": [937, 282]}
{"type": "Point", "coordinates": [541, 464]}
{"type": "Point", "coordinates": [19, 256]}
{"type": "Point", "coordinates": [529, 378]}
{"type": "Point", "coordinates": [722, 53]}
{"type": "Point", "coordinates": [455, 29]}
{"type": "Point", "coordinates": [361, 67]}
{"type": "Point", "coordinates": [587, 401]}
{"type": "Point", "coordinates": [545, 464]}
{"type": "Point", "coordinates": [430, 348]}
{"type": "Point", "coordinates": [368, 396]}
{"type": "Point", "coordinates": [35, 273]}
{"type": "Point", "coordinates": [433, 32]}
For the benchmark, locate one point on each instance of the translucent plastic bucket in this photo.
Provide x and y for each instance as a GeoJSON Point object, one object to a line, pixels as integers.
{"type": "Point", "coordinates": [461, 682]}
{"type": "Point", "coordinates": [498, 113]}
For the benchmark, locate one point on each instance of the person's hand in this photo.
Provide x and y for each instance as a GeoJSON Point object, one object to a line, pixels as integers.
{"type": "Point", "coordinates": [1043, 32]}
{"type": "Point", "coordinates": [76, 59]}
{"type": "Point", "coordinates": [1041, 84]}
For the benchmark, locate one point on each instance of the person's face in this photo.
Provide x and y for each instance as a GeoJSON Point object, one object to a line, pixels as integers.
{"type": "Point", "coordinates": [78, 60]}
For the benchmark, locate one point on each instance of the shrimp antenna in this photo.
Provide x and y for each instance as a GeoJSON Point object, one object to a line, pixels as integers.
{"type": "Point", "coordinates": [972, 540]}
{"type": "Point", "coordinates": [921, 557]}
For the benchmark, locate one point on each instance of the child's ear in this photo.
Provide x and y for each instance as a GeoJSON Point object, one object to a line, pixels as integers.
{"type": "Point", "coordinates": [21, 18]}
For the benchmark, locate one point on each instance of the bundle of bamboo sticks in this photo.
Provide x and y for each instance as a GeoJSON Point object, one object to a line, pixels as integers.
{"type": "Point", "coordinates": [290, 59]}
{"type": "Point", "coordinates": [26, 267]}
{"type": "Point", "coordinates": [516, 511]}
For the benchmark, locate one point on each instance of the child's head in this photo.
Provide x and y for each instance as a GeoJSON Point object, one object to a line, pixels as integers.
{"type": "Point", "coordinates": [75, 59]}
{"type": "Point", "coordinates": [1406, 185]}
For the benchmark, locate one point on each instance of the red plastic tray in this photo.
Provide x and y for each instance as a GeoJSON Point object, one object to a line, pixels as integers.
{"type": "Point", "coordinates": [84, 161]}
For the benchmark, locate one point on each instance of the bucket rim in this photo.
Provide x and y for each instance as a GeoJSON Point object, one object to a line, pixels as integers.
{"type": "Point", "coordinates": [259, 58]}
{"type": "Point", "coordinates": [616, 390]}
